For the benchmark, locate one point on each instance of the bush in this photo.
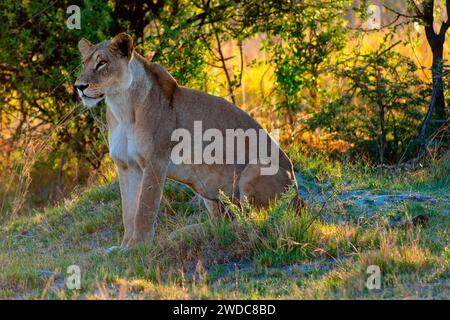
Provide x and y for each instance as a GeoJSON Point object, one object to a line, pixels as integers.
{"type": "Point", "coordinates": [381, 110]}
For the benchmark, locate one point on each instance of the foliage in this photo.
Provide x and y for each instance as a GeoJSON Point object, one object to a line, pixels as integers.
{"type": "Point", "coordinates": [37, 71]}
{"type": "Point", "coordinates": [380, 111]}
{"type": "Point", "coordinates": [295, 64]}
{"type": "Point", "coordinates": [205, 44]}
{"type": "Point", "coordinates": [301, 43]}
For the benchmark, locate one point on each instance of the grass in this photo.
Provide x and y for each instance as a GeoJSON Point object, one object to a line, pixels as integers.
{"type": "Point", "coordinates": [260, 254]}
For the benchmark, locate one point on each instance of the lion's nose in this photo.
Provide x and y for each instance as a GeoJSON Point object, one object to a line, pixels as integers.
{"type": "Point", "coordinates": [81, 86]}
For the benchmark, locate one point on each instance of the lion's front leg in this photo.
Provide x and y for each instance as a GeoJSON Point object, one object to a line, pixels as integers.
{"type": "Point", "coordinates": [149, 199]}
{"type": "Point", "coordinates": [130, 183]}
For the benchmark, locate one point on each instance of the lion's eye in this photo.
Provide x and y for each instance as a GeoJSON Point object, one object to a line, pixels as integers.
{"type": "Point", "coordinates": [100, 64]}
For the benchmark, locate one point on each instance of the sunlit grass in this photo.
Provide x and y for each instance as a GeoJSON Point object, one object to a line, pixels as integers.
{"type": "Point", "coordinates": [269, 253]}
{"type": "Point", "coordinates": [259, 254]}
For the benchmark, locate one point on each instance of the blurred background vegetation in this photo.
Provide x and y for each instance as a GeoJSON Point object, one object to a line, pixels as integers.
{"type": "Point", "coordinates": [349, 79]}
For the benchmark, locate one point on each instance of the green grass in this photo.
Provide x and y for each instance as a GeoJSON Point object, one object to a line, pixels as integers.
{"type": "Point", "coordinates": [318, 169]}
{"type": "Point", "coordinates": [259, 254]}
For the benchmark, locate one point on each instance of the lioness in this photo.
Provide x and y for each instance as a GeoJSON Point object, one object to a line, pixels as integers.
{"type": "Point", "coordinates": [144, 107]}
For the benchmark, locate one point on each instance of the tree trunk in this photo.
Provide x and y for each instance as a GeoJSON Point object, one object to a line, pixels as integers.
{"type": "Point", "coordinates": [423, 127]}
{"type": "Point", "coordinates": [438, 60]}
{"type": "Point", "coordinates": [134, 15]}
{"type": "Point", "coordinates": [436, 42]}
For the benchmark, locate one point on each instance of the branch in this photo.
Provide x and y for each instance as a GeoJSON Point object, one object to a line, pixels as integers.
{"type": "Point", "coordinates": [224, 66]}
{"type": "Point", "coordinates": [423, 126]}
{"type": "Point", "coordinates": [416, 8]}
{"type": "Point", "coordinates": [445, 25]}
{"type": "Point", "coordinates": [400, 14]}
{"type": "Point", "coordinates": [207, 12]}
{"type": "Point", "coordinates": [388, 48]}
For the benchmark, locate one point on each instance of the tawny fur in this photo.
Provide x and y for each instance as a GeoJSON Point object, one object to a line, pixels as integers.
{"type": "Point", "coordinates": [144, 106]}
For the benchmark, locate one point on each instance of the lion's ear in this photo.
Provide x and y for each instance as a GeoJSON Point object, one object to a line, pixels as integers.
{"type": "Point", "coordinates": [84, 46]}
{"type": "Point", "coordinates": [123, 44]}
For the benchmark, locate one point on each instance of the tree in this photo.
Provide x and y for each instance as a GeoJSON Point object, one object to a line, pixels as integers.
{"type": "Point", "coordinates": [37, 71]}
{"type": "Point", "coordinates": [436, 42]}
{"type": "Point", "coordinates": [301, 39]}
{"type": "Point", "coordinates": [424, 13]}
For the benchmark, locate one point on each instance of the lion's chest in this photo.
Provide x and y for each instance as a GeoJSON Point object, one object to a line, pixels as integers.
{"type": "Point", "coordinates": [122, 146]}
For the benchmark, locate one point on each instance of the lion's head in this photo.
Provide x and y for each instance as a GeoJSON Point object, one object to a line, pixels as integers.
{"type": "Point", "coordinates": [105, 68]}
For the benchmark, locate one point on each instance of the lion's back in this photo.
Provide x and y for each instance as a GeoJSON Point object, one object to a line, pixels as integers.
{"type": "Point", "coordinates": [213, 111]}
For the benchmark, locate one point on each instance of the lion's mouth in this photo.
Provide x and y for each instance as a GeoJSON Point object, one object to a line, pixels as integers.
{"type": "Point", "coordinates": [89, 97]}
